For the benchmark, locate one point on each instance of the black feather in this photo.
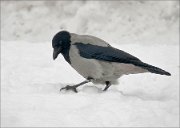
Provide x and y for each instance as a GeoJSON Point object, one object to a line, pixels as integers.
{"type": "Point", "coordinates": [111, 54]}
{"type": "Point", "coordinates": [104, 53]}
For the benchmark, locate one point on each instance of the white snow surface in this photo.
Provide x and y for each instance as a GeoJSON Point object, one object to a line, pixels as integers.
{"type": "Point", "coordinates": [31, 79]}
{"type": "Point", "coordinates": [114, 21]}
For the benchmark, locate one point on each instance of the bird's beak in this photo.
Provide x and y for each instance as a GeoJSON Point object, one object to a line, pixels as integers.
{"type": "Point", "coordinates": [56, 53]}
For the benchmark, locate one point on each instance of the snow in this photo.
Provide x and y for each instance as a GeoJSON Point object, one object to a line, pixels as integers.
{"type": "Point", "coordinates": [31, 80]}
{"type": "Point", "coordinates": [114, 21]}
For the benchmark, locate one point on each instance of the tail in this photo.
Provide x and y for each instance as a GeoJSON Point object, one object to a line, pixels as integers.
{"type": "Point", "coordinates": [151, 68]}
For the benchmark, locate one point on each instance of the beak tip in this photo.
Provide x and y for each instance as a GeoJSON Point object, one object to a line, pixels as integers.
{"type": "Point", "coordinates": [54, 57]}
{"type": "Point", "coordinates": [56, 53]}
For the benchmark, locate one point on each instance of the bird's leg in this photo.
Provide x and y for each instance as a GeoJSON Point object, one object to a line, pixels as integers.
{"type": "Point", "coordinates": [108, 84]}
{"type": "Point", "coordinates": [73, 88]}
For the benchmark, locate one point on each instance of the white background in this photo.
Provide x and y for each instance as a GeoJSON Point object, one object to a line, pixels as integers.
{"type": "Point", "coordinates": [30, 79]}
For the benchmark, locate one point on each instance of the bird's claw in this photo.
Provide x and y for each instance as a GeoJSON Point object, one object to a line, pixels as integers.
{"type": "Point", "coordinates": [73, 88]}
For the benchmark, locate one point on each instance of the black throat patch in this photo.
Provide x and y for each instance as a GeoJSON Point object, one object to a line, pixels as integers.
{"type": "Point", "coordinates": [65, 51]}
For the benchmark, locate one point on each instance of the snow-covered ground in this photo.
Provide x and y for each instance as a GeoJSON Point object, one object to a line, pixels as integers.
{"type": "Point", "coordinates": [30, 79]}
{"type": "Point", "coordinates": [114, 21]}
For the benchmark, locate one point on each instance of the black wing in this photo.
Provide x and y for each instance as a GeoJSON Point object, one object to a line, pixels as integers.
{"type": "Point", "coordinates": [111, 54]}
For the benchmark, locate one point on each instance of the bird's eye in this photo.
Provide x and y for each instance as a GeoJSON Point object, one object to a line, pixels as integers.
{"type": "Point", "coordinates": [56, 46]}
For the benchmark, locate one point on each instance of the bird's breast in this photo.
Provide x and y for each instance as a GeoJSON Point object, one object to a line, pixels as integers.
{"type": "Point", "coordinates": [85, 67]}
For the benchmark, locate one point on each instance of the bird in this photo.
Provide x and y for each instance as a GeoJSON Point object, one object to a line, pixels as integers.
{"type": "Point", "coordinates": [96, 60]}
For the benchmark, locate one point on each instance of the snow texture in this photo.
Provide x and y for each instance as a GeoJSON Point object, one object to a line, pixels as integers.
{"type": "Point", "coordinates": [30, 79]}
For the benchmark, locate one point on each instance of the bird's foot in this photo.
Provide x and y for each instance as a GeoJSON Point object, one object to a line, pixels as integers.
{"type": "Point", "coordinates": [108, 84]}
{"type": "Point", "coordinates": [73, 88]}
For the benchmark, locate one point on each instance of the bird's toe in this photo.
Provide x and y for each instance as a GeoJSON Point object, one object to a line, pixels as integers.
{"type": "Point", "coordinates": [73, 88]}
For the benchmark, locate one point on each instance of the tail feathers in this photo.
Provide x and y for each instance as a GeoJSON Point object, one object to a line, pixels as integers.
{"type": "Point", "coordinates": [151, 68]}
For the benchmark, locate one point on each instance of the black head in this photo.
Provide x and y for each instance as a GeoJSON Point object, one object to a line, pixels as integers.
{"type": "Point", "coordinates": [60, 43]}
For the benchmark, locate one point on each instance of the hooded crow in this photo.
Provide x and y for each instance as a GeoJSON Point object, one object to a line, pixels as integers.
{"type": "Point", "coordinates": [96, 60]}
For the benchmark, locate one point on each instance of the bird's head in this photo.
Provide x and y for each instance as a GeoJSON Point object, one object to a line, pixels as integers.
{"type": "Point", "coordinates": [60, 43]}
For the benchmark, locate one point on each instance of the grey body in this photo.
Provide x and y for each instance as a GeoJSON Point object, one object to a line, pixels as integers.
{"type": "Point", "coordinates": [100, 71]}
{"type": "Point", "coordinates": [96, 60]}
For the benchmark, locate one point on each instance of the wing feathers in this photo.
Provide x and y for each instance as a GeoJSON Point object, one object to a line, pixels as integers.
{"type": "Point", "coordinates": [103, 53]}
{"type": "Point", "coordinates": [111, 54]}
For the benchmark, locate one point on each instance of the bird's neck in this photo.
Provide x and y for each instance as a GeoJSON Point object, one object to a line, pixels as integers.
{"type": "Point", "coordinates": [65, 53]}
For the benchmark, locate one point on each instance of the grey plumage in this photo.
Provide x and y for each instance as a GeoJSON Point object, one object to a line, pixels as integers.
{"type": "Point", "coordinates": [114, 55]}
{"type": "Point", "coordinates": [96, 60]}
